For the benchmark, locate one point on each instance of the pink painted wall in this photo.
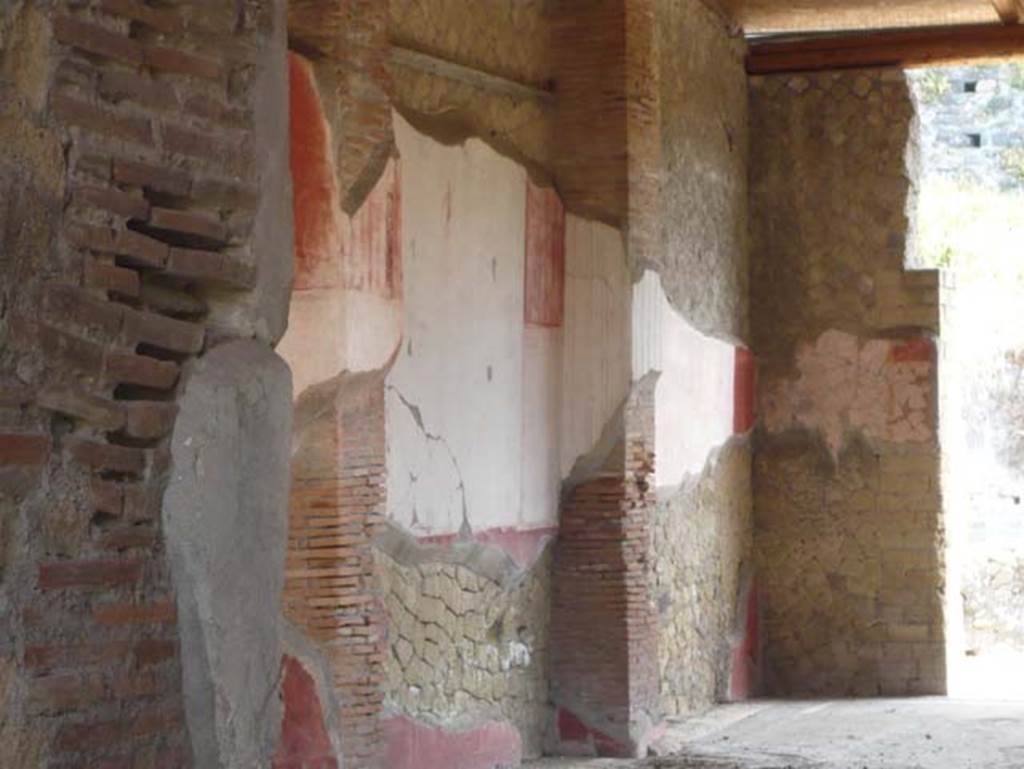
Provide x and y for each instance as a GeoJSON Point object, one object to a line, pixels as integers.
{"type": "Point", "coordinates": [415, 745]}
{"type": "Point", "coordinates": [304, 741]}
{"type": "Point", "coordinates": [884, 388]}
{"type": "Point", "coordinates": [345, 313]}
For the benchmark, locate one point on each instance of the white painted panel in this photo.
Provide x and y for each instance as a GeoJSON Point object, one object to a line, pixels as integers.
{"type": "Point", "coordinates": [542, 390]}
{"type": "Point", "coordinates": [648, 318]}
{"type": "Point", "coordinates": [694, 401]}
{"type": "Point", "coordinates": [454, 400]}
{"type": "Point", "coordinates": [596, 356]}
{"type": "Point", "coordinates": [333, 330]}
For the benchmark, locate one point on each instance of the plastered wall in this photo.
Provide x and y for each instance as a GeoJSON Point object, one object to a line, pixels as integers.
{"type": "Point", "coordinates": [849, 535]}
{"type": "Point", "coordinates": [456, 416]}
{"type": "Point", "coordinates": [701, 576]}
{"type": "Point", "coordinates": [513, 363]}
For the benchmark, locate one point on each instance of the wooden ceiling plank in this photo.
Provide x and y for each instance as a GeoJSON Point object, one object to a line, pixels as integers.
{"type": "Point", "coordinates": [886, 49]}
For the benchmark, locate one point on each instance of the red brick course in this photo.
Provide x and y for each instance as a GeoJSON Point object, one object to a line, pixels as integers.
{"type": "Point", "coordinates": [604, 662]}
{"type": "Point", "coordinates": [113, 327]}
{"type": "Point", "coordinates": [337, 500]}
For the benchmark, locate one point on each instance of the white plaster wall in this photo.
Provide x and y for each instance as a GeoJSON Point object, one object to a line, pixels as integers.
{"type": "Point", "coordinates": [596, 335]}
{"type": "Point", "coordinates": [541, 419]}
{"type": "Point", "coordinates": [334, 329]}
{"type": "Point", "coordinates": [695, 396]}
{"type": "Point", "coordinates": [455, 394]}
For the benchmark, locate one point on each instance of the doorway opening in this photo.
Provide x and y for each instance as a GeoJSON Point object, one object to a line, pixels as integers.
{"type": "Point", "coordinates": [968, 219]}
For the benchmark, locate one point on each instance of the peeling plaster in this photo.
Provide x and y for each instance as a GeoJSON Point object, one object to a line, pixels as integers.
{"type": "Point", "coordinates": [695, 396]}
{"type": "Point", "coordinates": [883, 388]}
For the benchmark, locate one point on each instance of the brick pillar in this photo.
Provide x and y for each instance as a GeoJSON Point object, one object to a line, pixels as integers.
{"type": "Point", "coordinates": [604, 637]}
{"type": "Point", "coordinates": [337, 500]}
{"type": "Point", "coordinates": [604, 631]}
{"type": "Point", "coordinates": [142, 211]}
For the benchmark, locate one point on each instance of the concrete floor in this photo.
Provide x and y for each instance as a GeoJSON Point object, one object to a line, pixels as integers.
{"type": "Point", "coordinates": [931, 733]}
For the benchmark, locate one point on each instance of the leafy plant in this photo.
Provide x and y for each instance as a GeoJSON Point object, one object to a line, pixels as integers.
{"type": "Point", "coordinates": [1017, 75]}
{"type": "Point", "coordinates": [1013, 162]}
{"type": "Point", "coordinates": [932, 86]}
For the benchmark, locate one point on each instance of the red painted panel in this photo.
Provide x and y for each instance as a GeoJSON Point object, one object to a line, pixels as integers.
{"type": "Point", "coordinates": [744, 389]}
{"type": "Point", "coordinates": [913, 351]}
{"type": "Point", "coordinates": [545, 257]}
{"type": "Point", "coordinates": [373, 260]}
{"type": "Point", "coordinates": [415, 745]}
{"type": "Point", "coordinates": [579, 739]}
{"type": "Point", "coordinates": [304, 740]}
{"type": "Point", "coordinates": [315, 203]}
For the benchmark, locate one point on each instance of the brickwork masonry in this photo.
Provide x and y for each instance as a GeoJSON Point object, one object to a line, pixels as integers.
{"type": "Point", "coordinates": [136, 141]}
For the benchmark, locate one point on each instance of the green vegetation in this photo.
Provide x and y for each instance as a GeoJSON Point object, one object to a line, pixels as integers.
{"type": "Point", "coordinates": [1017, 75]}
{"type": "Point", "coordinates": [972, 229]}
{"type": "Point", "coordinates": [932, 86]}
{"type": "Point", "coordinates": [1013, 162]}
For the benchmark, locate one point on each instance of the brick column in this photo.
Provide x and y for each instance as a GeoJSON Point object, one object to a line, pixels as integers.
{"type": "Point", "coordinates": [158, 183]}
{"type": "Point", "coordinates": [337, 499]}
{"type": "Point", "coordinates": [604, 633]}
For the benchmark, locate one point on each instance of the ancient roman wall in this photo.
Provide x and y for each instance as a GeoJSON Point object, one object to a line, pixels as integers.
{"type": "Point", "coordinates": [345, 325]}
{"type": "Point", "coordinates": [146, 245]}
{"type": "Point", "coordinates": [509, 40]}
{"type": "Point", "coordinates": [847, 506]}
{"type": "Point", "coordinates": [491, 340]}
{"type": "Point", "coordinates": [701, 572]}
{"type": "Point", "coordinates": [473, 408]}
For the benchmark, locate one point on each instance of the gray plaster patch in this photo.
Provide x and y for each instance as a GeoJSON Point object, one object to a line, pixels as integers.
{"type": "Point", "coordinates": [225, 517]}
{"type": "Point", "coordinates": [484, 560]}
{"type": "Point", "coordinates": [263, 312]}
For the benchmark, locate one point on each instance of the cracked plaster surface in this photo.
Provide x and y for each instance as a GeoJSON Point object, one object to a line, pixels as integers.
{"type": "Point", "coordinates": [431, 463]}
{"type": "Point", "coordinates": [845, 383]}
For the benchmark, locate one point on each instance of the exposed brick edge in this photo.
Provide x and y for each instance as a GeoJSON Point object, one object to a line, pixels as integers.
{"type": "Point", "coordinates": [331, 597]}
{"type": "Point", "coordinates": [159, 210]}
{"type": "Point", "coordinates": [604, 626]}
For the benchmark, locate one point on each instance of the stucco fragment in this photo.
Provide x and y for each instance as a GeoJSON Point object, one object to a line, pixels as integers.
{"type": "Point", "coordinates": [224, 513]}
{"type": "Point", "coordinates": [883, 388]}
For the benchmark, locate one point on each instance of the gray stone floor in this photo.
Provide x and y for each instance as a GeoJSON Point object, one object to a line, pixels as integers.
{"type": "Point", "coordinates": [930, 733]}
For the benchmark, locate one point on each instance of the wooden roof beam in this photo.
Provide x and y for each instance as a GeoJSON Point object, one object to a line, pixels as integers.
{"type": "Point", "coordinates": [904, 48]}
